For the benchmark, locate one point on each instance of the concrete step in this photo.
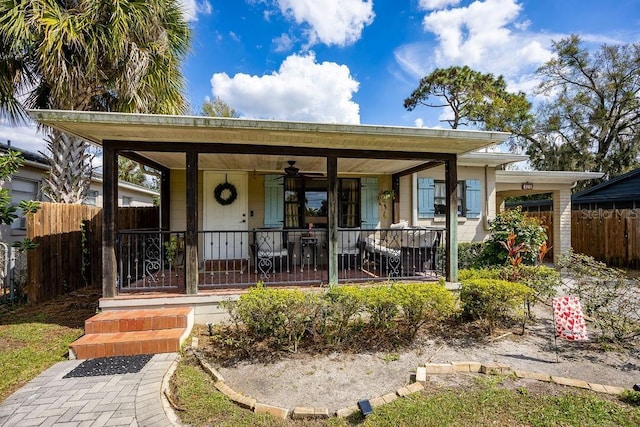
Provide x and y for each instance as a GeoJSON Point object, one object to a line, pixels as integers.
{"type": "Point", "coordinates": [132, 332]}
{"type": "Point", "coordinates": [137, 320]}
{"type": "Point", "coordinates": [92, 346]}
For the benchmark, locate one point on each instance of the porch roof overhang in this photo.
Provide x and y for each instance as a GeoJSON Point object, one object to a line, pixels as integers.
{"type": "Point", "coordinates": [518, 183]}
{"type": "Point", "coordinates": [544, 177]}
{"type": "Point", "coordinates": [226, 142]}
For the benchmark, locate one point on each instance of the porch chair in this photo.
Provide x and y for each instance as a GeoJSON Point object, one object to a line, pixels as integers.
{"type": "Point", "coordinates": [271, 251]}
{"type": "Point", "coordinates": [349, 248]}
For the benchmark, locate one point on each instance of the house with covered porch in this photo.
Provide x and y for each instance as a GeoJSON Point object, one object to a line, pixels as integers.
{"type": "Point", "coordinates": [246, 201]}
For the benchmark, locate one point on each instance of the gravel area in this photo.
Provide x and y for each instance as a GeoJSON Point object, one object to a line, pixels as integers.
{"type": "Point", "coordinates": [117, 365]}
{"type": "Point", "coordinates": [338, 380]}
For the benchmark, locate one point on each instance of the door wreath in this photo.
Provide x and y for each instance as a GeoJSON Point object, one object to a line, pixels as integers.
{"type": "Point", "coordinates": [225, 193]}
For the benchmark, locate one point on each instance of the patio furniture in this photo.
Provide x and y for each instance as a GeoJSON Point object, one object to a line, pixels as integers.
{"type": "Point", "coordinates": [383, 250]}
{"type": "Point", "coordinates": [271, 251]}
{"type": "Point", "coordinates": [402, 250]}
{"type": "Point", "coordinates": [349, 247]}
{"type": "Point", "coordinates": [311, 244]}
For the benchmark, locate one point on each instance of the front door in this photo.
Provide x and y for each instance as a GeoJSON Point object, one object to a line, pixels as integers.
{"type": "Point", "coordinates": [225, 215]}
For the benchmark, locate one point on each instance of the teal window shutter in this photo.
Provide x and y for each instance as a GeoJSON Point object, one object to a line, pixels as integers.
{"type": "Point", "coordinates": [472, 197]}
{"type": "Point", "coordinates": [369, 203]}
{"type": "Point", "coordinates": [426, 194]}
{"type": "Point", "coordinates": [273, 201]}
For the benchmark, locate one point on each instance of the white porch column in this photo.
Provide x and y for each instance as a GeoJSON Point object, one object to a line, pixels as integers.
{"type": "Point", "coordinates": [561, 223]}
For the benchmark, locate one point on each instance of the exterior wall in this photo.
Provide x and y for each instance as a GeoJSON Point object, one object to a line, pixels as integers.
{"type": "Point", "coordinates": [256, 200]}
{"type": "Point", "coordinates": [138, 197]}
{"type": "Point", "coordinates": [469, 229]}
{"type": "Point", "coordinates": [11, 233]}
{"type": "Point", "coordinates": [384, 183]}
{"type": "Point", "coordinates": [178, 197]}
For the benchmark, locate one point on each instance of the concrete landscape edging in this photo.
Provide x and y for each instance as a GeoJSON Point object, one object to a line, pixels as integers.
{"type": "Point", "coordinates": [422, 376]}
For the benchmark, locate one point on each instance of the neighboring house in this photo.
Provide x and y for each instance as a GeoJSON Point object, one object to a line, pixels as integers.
{"type": "Point", "coordinates": [290, 202]}
{"type": "Point", "coordinates": [621, 192]}
{"type": "Point", "coordinates": [27, 182]}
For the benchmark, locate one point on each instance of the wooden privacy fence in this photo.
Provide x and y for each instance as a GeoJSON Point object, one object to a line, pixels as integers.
{"type": "Point", "coordinates": [69, 251]}
{"type": "Point", "coordinates": [609, 235]}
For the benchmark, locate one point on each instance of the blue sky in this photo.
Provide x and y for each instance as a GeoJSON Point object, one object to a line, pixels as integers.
{"type": "Point", "coordinates": [355, 61]}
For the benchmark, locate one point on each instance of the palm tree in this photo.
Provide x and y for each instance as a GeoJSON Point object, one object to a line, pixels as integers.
{"type": "Point", "coordinates": [98, 55]}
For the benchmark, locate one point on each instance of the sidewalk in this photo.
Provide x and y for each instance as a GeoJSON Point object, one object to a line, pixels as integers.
{"type": "Point", "coordinates": [133, 399]}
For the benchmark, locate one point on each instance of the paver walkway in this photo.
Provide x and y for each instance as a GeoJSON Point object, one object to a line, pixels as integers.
{"type": "Point", "coordinates": [112, 400]}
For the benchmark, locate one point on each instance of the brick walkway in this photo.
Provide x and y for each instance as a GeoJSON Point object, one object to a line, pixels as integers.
{"type": "Point", "coordinates": [116, 400]}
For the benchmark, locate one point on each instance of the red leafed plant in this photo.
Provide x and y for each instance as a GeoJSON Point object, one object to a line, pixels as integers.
{"type": "Point", "coordinates": [514, 250]}
{"type": "Point", "coordinates": [543, 252]}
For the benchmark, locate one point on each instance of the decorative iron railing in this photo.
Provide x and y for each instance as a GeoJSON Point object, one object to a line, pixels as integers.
{"type": "Point", "coordinates": [150, 259]}
{"type": "Point", "coordinates": [156, 259]}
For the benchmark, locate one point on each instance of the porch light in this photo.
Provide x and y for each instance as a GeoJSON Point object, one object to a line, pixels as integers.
{"type": "Point", "coordinates": [527, 186]}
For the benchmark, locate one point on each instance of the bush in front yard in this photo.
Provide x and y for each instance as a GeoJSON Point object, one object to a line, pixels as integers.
{"type": "Point", "coordinates": [480, 273]}
{"type": "Point", "coordinates": [381, 304]}
{"type": "Point", "coordinates": [491, 300]}
{"type": "Point", "coordinates": [283, 315]}
{"type": "Point", "coordinates": [343, 306]}
{"type": "Point", "coordinates": [527, 231]}
{"type": "Point", "coordinates": [541, 279]}
{"type": "Point", "coordinates": [421, 303]}
{"type": "Point", "coordinates": [379, 316]}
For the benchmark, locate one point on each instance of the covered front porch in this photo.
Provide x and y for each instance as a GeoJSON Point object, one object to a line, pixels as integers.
{"type": "Point", "coordinates": [233, 215]}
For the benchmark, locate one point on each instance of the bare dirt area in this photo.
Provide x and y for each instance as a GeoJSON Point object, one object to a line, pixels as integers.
{"type": "Point", "coordinates": [70, 310]}
{"type": "Point", "coordinates": [339, 380]}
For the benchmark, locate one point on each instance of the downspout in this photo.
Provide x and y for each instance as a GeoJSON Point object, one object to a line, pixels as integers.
{"type": "Point", "coordinates": [485, 222]}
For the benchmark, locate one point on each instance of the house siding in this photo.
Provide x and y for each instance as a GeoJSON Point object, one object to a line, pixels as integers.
{"type": "Point", "coordinates": [469, 229]}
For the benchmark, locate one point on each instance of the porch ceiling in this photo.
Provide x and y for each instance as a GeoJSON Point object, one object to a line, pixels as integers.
{"type": "Point", "coordinates": [144, 133]}
{"type": "Point", "coordinates": [276, 164]}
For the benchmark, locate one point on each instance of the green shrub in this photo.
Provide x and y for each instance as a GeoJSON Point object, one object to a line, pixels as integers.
{"type": "Point", "coordinates": [283, 315]}
{"type": "Point", "coordinates": [468, 255]}
{"type": "Point", "coordinates": [490, 300]}
{"type": "Point", "coordinates": [480, 273]}
{"type": "Point", "coordinates": [344, 303]}
{"type": "Point", "coordinates": [541, 279]}
{"type": "Point", "coordinates": [381, 303]}
{"type": "Point", "coordinates": [422, 302]}
{"type": "Point", "coordinates": [381, 315]}
{"type": "Point", "coordinates": [527, 230]}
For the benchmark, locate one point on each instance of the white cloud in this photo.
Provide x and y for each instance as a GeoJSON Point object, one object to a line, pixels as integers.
{"type": "Point", "coordinates": [283, 43]}
{"type": "Point", "coordinates": [523, 26]}
{"type": "Point", "coordinates": [436, 4]}
{"type": "Point", "coordinates": [485, 35]}
{"type": "Point", "coordinates": [192, 8]}
{"type": "Point", "coordinates": [24, 136]}
{"type": "Point", "coordinates": [302, 89]}
{"type": "Point", "coordinates": [419, 123]}
{"type": "Point", "coordinates": [332, 22]}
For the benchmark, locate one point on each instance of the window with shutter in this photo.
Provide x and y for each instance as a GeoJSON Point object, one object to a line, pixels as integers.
{"type": "Point", "coordinates": [273, 201]}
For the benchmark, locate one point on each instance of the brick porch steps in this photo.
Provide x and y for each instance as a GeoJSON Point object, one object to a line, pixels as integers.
{"type": "Point", "coordinates": [131, 332]}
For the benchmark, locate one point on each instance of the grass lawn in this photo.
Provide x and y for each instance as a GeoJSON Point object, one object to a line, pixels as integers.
{"type": "Point", "coordinates": [490, 401]}
{"type": "Point", "coordinates": [33, 338]}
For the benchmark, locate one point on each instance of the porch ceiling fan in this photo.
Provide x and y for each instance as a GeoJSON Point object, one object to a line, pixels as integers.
{"type": "Point", "coordinates": [292, 171]}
